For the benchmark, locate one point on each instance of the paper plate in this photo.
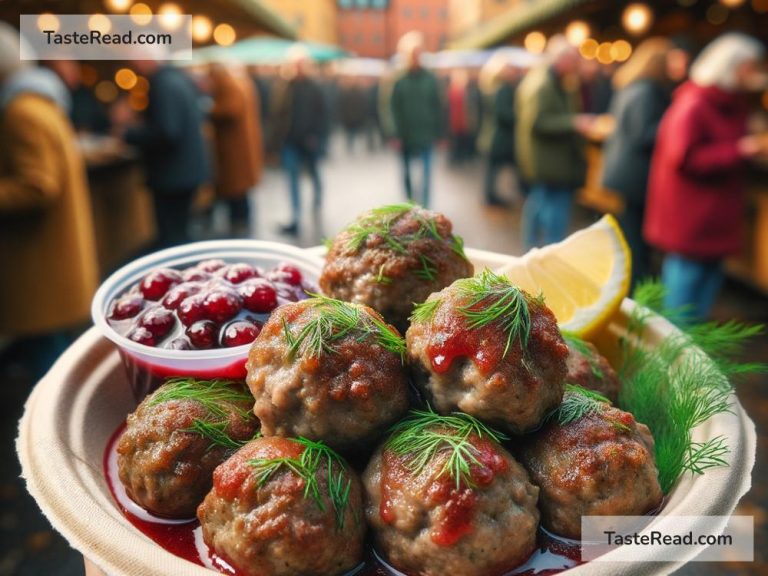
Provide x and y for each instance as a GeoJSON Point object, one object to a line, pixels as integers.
{"type": "Point", "coordinates": [73, 411]}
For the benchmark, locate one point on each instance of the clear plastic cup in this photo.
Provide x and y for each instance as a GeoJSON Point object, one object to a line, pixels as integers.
{"type": "Point", "coordinates": [147, 366]}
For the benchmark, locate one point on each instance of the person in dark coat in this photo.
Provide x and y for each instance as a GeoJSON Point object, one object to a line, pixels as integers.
{"type": "Point", "coordinates": [300, 123]}
{"type": "Point", "coordinates": [502, 151]}
{"type": "Point", "coordinates": [417, 111]}
{"type": "Point", "coordinates": [696, 191]}
{"type": "Point", "coordinates": [174, 152]}
{"type": "Point", "coordinates": [549, 144]}
{"type": "Point", "coordinates": [642, 96]}
{"type": "Point", "coordinates": [353, 109]}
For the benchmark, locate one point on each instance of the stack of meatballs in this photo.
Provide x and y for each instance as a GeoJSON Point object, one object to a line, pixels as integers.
{"type": "Point", "coordinates": [456, 452]}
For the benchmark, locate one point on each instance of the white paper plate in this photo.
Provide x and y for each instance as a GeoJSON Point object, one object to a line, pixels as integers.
{"type": "Point", "coordinates": [74, 410]}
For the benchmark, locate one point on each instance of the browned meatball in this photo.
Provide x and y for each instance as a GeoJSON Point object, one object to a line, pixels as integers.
{"type": "Point", "coordinates": [484, 347]}
{"type": "Point", "coordinates": [392, 257]}
{"type": "Point", "coordinates": [600, 464]}
{"type": "Point", "coordinates": [328, 370]}
{"type": "Point", "coordinates": [274, 510]}
{"type": "Point", "coordinates": [590, 369]}
{"type": "Point", "coordinates": [428, 523]}
{"type": "Point", "coordinates": [176, 438]}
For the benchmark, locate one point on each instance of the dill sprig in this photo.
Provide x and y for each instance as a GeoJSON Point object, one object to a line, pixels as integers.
{"type": "Point", "coordinates": [582, 347]}
{"type": "Point", "coordinates": [216, 432]}
{"type": "Point", "coordinates": [315, 456]}
{"type": "Point", "coordinates": [577, 403]}
{"type": "Point", "coordinates": [424, 434]}
{"type": "Point", "coordinates": [681, 383]}
{"type": "Point", "coordinates": [379, 222]}
{"type": "Point", "coordinates": [425, 311]}
{"type": "Point", "coordinates": [211, 394]}
{"type": "Point", "coordinates": [332, 321]}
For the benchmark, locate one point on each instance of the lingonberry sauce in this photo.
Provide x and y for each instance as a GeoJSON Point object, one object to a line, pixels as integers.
{"type": "Point", "coordinates": [184, 538]}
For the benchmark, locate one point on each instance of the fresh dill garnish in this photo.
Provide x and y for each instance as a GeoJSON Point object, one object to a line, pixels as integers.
{"type": "Point", "coordinates": [332, 321]}
{"type": "Point", "coordinates": [381, 277]}
{"type": "Point", "coordinates": [424, 434]}
{"type": "Point", "coordinates": [494, 298]}
{"type": "Point", "coordinates": [577, 403]}
{"type": "Point", "coordinates": [306, 467]}
{"type": "Point", "coordinates": [211, 394]}
{"type": "Point", "coordinates": [216, 432]}
{"type": "Point", "coordinates": [379, 222]}
{"type": "Point", "coordinates": [583, 348]}
{"type": "Point", "coordinates": [681, 383]}
{"type": "Point", "coordinates": [428, 270]}
{"type": "Point", "coordinates": [425, 311]}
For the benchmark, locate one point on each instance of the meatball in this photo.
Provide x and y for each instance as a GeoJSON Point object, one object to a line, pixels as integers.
{"type": "Point", "coordinates": [590, 369]}
{"type": "Point", "coordinates": [175, 439]}
{"type": "Point", "coordinates": [328, 370]}
{"type": "Point", "coordinates": [431, 522]}
{"type": "Point", "coordinates": [393, 257]}
{"type": "Point", "coordinates": [599, 464]}
{"type": "Point", "coordinates": [283, 507]}
{"type": "Point", "coordinates": [485, 347]}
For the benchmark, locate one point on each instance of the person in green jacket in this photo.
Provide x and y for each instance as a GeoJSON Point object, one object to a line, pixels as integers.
{"type": "Point", "coordinates": [417, 113]}
{"type": "Point", "coordinates": [549, 145]}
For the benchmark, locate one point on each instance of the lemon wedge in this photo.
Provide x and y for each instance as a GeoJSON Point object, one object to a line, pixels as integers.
{"type": "Point", "coordinates": [583, 279]}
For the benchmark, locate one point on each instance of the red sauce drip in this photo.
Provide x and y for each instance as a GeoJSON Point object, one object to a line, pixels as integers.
{"type": "Point", "coordinates": [552, 557]}
{"type": "Point", "coordinates": [457, 513]}
{"type": "Point", "coordinates": [451, 339]}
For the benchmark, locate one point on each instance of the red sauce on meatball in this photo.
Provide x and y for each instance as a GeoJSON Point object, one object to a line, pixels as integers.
{"type": "Point", "coordinates": [451, 339]}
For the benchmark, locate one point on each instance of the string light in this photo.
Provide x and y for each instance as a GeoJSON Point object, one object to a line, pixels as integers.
{"type": "Point", "coordinates": [99, 23]}
{"type": "Point", "coordinates": [117, 5]}
{"type": "Point", "coordinates": [224, 35]}
{"type": "Point", "coordinates": [535, 42]}
{"type": "Point", "coordinates": [621, 50]}
{"type": "Point", "coordinates": [588, 48]}
{"type": "Point", "coordinates": [169, 15]}
{"type": "Point", "coordinates": [603, 53]}
{"type": "Point", "coordinates": [576, 32]}
{"type": "Point", "coordinates": [125, 78]}
{"type": "Point", "coordinates": [105, 91]}
{"type": "Point", "coordinates": [47, 21]}
{"type": "Point", "coordinates": [201, 28]}
{"type": "Point", "coordinates": [141, 14]}
{"type": "Point", "coordinates": [637, 18]}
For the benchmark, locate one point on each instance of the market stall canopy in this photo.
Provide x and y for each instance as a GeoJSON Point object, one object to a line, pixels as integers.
{"type": "Point", "coordinates": [516, 21]}
{"type": "Point", "coordinates": [247, 17]}
{"type": "Point", "coordinates": [266, 51]}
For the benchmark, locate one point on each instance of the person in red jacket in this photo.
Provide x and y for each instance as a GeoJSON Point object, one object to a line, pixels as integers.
{"type": "Point", "coordinates": [696, 197]}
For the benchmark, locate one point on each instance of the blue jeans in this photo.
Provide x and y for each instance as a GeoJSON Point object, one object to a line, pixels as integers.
{"type": "Point", "coordinates": [294, 158]}
{"type": "Point", "coordinates": [692, 285]}
{"type": "Point", "coordinates": [546, 215]}
{"type": "Point", "coordinates": [425, 156]}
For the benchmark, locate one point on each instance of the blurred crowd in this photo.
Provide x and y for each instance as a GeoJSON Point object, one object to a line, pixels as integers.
{"type": "Point", "coordinates": [674, 126]}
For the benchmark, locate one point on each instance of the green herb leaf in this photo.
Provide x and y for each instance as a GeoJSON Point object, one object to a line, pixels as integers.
{"type": "Point", "coordinates": [425, 311]}
{"type": "Point", "coordinates": [216, 432]}
{"type": "Point", "coordinates": [494, 298]}
{"type": "Point", "coordinates": [210, 393]}
{"type": "Point", "coordinates": [332, 321]}
{"type": "Point", "coordinates": [583, 348]}
{"type": "Point", "coordinates": [306, 467]}
{"type": "Point", "coordinates": [681, 383]}
{"type": "Point", "coordinates": [428, 270]}
{"type": "Point", "coordinates": [577, 403]}
{"type": "Point", "coordinates": [424, 434]}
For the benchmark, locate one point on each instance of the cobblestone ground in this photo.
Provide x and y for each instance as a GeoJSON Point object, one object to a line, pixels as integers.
{"type": "Point", "coordinates": [354, 182]}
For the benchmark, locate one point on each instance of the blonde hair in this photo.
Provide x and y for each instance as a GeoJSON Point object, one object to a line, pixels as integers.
{"type": "Point", "coordinates": [649, 60]}
{"type": "Point", "coordinates": [718, 63]}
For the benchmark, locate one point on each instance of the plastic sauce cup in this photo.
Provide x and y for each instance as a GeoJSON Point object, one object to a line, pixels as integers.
{"type": "Point", "coordinates": [147, 366]}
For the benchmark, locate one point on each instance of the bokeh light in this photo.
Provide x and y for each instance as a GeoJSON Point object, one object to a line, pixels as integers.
{"type": "Point", "coordinates": [717, 14]}
{"type": "Point", "coordinates": [169, 16]}
{"type": "Point", "coordinates": [224, 35]}
{"type": "Point", "coordinates": [732, 3]}
{"type": "Point", "coordinates": [138, 101]}
{"type": "Point", "coordinates": [125, 78]}
{"type": "Point", "coordinates": [99, 23]}
{"type": "Point", "coordinates": [603, 53]}
{"type": "Point", "coordinates": [576, 32]}
{"type": "Point", "coordinates": [88, 75]}
{"type": "Point", "coordinates": [142, 85]}
{"type": "Point", "coordinates": [621, 50]}
{"type": "Point", "coordinates": [47, 21]}
{"type": "Point", "coordinates": [588, 48]}
{"type": "Point", "coordinates": [141, 14]}
{"type": "Point", "coordinates": [117, 5]}
{"type": "Point", "coordinates": [637, 18]}
{"type": "Point", "coordinates": [760, 6]}
{"type": "Point", "coordinates": [106, 91]}
{"type": "Point", "coordinates": [201, 28]}
{"type": "Point", "coordinates": [535, 42]}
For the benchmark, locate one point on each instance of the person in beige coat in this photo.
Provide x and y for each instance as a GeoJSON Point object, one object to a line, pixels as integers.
{"type": "Point", "coordinates": [238, 142]}
{"type": "Point", "coordinates": [47, 248]}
